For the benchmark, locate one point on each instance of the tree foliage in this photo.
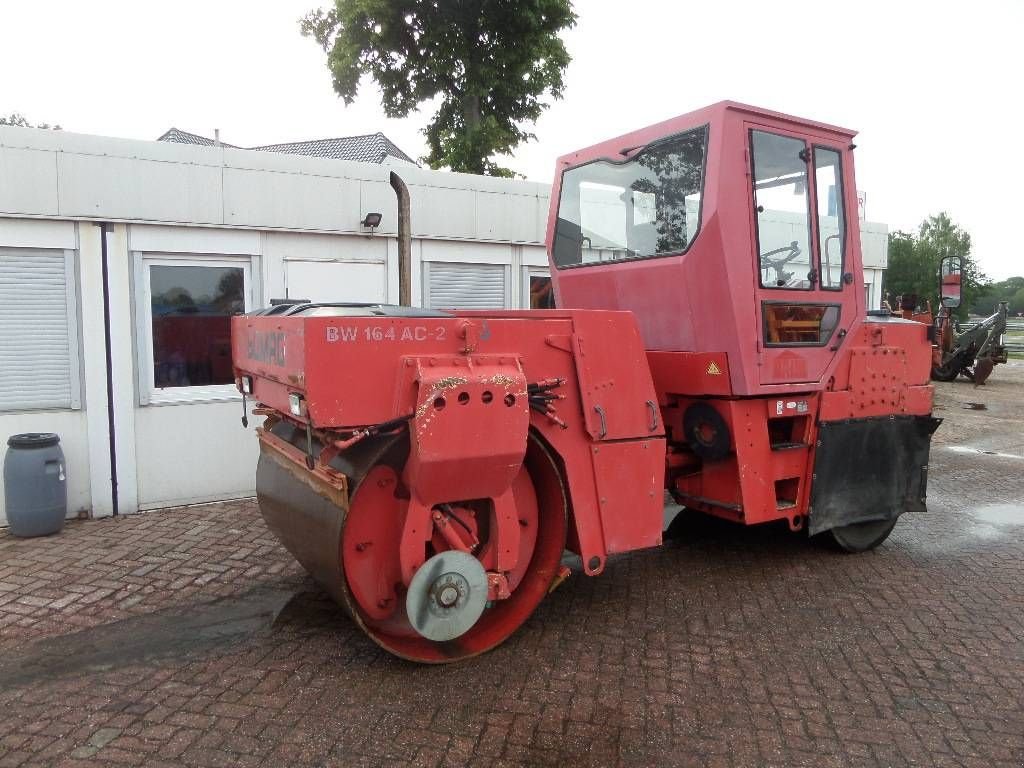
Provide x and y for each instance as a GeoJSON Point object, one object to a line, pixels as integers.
{"type": "Point", "coordinates": [1010, 290]}
{"type": "Point", "coordinates": [20, 121]}
{"type": "Point", "coordinates": [490, 62]}
{"type": "Point", "coordinates": [914, 262]}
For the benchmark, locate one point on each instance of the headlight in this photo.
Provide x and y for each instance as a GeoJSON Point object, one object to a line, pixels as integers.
{"type": "Point", "coordinates": [245, 384]}
{"type": "Point", "coordinates": [296, 403]}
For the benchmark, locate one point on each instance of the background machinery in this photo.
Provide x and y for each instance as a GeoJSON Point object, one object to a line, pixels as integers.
{"type": "Point", "coordinates": [429, 468]}
{"type": "Point", "coordinates": [975, 352]}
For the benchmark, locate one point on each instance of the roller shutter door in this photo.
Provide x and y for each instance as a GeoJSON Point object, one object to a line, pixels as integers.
{"type": "Point", "coordinates": [35, 353]}
{"type": "Point", "coordinates": [456, 285]}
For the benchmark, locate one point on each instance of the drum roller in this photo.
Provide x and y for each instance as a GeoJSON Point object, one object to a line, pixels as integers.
{"type": "Point", "coordinates": [349, 543]}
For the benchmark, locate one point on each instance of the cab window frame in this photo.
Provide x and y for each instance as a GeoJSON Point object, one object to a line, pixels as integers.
{"type": "Point", "coordinates": [844, 227]}
{"type": "Point", "coordinates": [810, 190]}
{"type": "Point", "coordinates": [706, 129]}
{"type": "Point", "coordinates": [823, 305]}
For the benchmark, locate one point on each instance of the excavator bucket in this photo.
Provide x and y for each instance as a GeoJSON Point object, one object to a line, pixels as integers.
{"type": "Point", "coordinates": [982, 370]}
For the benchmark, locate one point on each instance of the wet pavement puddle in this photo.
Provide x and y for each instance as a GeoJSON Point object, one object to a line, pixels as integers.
{"type": "Point", "coordinates": [994, 521]}
{"type": "Point", "coordinates": [981, 452]}
{"type": "Point", "coordinates": [1000, 514]}
{"type": "Point", "coordinates": [176, 631]}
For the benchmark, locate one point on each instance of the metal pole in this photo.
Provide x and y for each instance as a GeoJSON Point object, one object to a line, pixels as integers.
{"type": "Point", "coordinates": [404, 241]}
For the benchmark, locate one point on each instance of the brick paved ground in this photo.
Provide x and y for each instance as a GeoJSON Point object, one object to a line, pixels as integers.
{"type": "Point", "coordinates": [188, 637]}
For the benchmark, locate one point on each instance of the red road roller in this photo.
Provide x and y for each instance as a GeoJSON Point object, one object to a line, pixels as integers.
{"type": "Point", "coordinates": [429, 468]}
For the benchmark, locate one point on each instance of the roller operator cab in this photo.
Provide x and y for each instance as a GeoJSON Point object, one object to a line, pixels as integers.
{"type": "Point", "coordinates": [430, 467]}
{"type": "Point", "coordinates": [732, 237]}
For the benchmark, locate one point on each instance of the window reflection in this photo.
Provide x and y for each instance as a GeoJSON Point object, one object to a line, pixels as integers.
{"type": "Point", "coordinates": [542, 292]}
{"type": "Point", "coordinates": [646, 206]}
{"type": "Point", "coordinates": [831, 216]}
{"type": "Point", "coordinates": [191, 309]}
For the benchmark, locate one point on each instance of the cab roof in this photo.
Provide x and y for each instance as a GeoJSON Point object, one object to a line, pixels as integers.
{"type": "Point", "coordinates": [620, 145]}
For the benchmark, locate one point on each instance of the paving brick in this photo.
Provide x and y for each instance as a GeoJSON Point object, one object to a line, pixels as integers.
{"type": "Point", "coordinates": [730, 647]}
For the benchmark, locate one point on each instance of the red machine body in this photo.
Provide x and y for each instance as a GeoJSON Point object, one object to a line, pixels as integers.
{"type": "Point", "coordinates": [410, 454]}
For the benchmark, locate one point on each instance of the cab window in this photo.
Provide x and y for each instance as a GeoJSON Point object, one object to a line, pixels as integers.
{"type": "Point", "coordinates": [645, 206]}
{"type": "Point", "coordinates": [831, 216]}
{"type": "Point", "coordinates": [782, 204]}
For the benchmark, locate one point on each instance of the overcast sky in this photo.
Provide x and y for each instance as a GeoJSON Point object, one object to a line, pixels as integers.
{"type": "Point", "coordinates": [923, 82]}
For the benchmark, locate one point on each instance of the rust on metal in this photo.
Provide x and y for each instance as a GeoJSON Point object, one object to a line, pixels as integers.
{"type": "Point", "coordinates": [324, 480]}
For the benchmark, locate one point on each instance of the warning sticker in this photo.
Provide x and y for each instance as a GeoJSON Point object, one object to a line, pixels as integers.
{"type": "Point", "coordinates": [781, 406]}
{"type": "Point", "coordinates": [714, 370]}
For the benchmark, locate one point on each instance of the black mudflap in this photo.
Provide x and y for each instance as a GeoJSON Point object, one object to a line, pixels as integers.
{"type": "Point", "coordinates": [869, 469]}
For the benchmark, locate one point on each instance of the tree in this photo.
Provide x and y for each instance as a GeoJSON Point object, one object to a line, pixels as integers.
{"type": "Point", "coordinates": [914, 262]}
{"type": "Point", "coordinates": [910, 270]}
{"type": "Point", "coordinates": [491, 62]}
{"type": "Point", "coordinates": [20, 121]}
{"type": "Point", "coordinates": [1016, 302]}
{"type": "Point", "coordinates": [1010, 290]}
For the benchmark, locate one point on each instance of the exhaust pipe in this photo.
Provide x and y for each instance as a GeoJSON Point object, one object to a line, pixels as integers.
{"type": "Point", "coordinates": [404, 241]}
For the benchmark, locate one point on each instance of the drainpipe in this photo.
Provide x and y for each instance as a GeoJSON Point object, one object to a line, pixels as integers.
{"type": "Point", "coordinates": [105, 271]}
{"type": "Point", "coordinates": [404, 241]}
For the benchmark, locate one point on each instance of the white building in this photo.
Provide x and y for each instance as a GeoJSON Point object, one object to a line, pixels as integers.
{"type": "Point", "coordinates": [120, 261]}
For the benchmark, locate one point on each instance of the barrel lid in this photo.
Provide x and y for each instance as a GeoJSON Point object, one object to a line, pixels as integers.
{"type": "Point", "coordinates": [33, 440]}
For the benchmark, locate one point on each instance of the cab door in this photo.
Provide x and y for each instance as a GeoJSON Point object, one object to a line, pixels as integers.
{"type": "Point", "coordinates": [803, 280]}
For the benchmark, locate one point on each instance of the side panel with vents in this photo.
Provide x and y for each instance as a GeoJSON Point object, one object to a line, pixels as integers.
{"type": "Point", "coordinates": [455, 285]}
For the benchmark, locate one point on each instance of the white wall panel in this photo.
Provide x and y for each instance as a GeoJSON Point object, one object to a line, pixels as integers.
{"type": "Point", "coordinates": [296, 245]}
{"type": "Point", "coordinates": [28, 181]}
{"type": "Point", "coordinates": [335, 281]}
{"type": "Point", "coordinates": [37, 233]}
{"type": "Point", "coordinates": [193, 240]}
{"type": "Point", "coordinates": [130, 188]}
{"type": "Point", "coordinates": [255, 198]}
{"type": "Point", "coordinates": [506, 217]}
{"type": "Point", "coordinates": [379, 197]}
{"type": "Point", "coordinates": [480, 253]}
{"type": "Point", "coordinates": [535, 256]}
{"type": "Point", "coordinates": [198, 452]}
{"type": "Point", "coordinates": [541, 218]}
{"type": "Point", "coordinates": [874, 240]}
{"type": "Point", "coordinates": [440, 212]}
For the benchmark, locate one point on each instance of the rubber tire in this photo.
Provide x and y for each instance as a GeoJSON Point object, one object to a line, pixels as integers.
{"type": "Point", "coordinates": [861, 537]}
{"type": "Point", "coordinates": [942, 373]}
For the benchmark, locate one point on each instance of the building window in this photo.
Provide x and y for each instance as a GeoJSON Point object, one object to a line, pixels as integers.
{"type": "Point", "coordinates": [538, 292]}
{"type": "Point", "coordinates": [542, 292]}
{"type": "Point", "coordinates": [188, 304]}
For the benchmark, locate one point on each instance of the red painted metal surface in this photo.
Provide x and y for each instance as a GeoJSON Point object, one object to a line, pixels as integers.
{"type": "Point", "coordinates": [709, 298]}
{"type": "Point", "coordinates": [529, 430]}
{"type": "Point", "coordinates": [359, 371]}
